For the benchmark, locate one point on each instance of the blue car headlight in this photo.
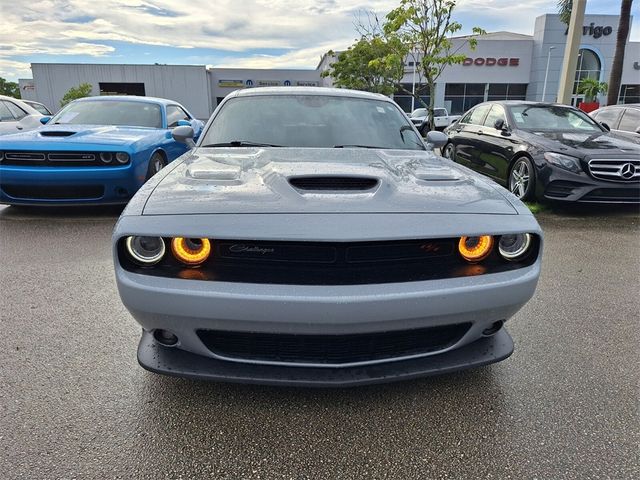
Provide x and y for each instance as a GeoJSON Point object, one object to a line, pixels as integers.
{"type": "Point", "coordinates": [1, 156]}
{"type": "Point", "coordinates": [122, 157]}
{"type": "Point", "coordinates": [565, 162]}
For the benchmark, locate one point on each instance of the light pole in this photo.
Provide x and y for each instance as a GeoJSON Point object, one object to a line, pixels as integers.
{"type": "Point", "coordinates": [546, 74]}
{"type": "Point", "coordinates": [413, 83]}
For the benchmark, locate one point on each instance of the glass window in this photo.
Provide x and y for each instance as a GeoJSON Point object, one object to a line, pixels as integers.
{"type": "Point", "coordinates": [610, 116]}
{"type": "Point", "coordinates": [552, 117]}
{"type": "Point", "coordinates": [588, 67]}
{"type": "Point", "coordinates": [419, 112]}
{"type": "Point", "coordinates": [314, 121]}
{"type": "Point", "coordinates": [496, 113]}
{"type": "Point", "coordinates": [517, 90]}
{"type": "Point", "coordinates": [629, 94]}
{"type": "Point", "coordinates": [39, 107]}
{"type": "Point", "coordinates": [474, 89]}
{"type": "Point", "coordinates": [174, 115]}
{"type": "Point", "coordinates": [5, 113]}
{"type": "Point", "coordinates": [477, 116]}
{"type": "Point", "coordinates": [498, 89]}
{"type": "Point", "coordinates": [439, 112]}
{"type": "Point", "coordinates": [630, 120]}
{"type": "Point", "coordinates": [16, 111]}
{"type": "Point", "coordinates": [110, 112]}
{"type": "Point", "coordinates": [454, 89]}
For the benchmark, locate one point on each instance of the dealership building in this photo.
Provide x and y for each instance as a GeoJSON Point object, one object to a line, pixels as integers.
{"type": "Point", "coordinates": [504, 65]}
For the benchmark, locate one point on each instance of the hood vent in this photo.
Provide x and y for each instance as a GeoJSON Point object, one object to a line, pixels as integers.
{"type": "Point", "coordinates": [333, 183]}
{"type": "Point", "coordinates": [56, 133]}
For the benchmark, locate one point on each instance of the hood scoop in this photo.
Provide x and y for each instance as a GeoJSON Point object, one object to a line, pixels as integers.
{"type": "Point", "coordinates": [56, 133]}
{"type": "Point", "coordinates": [333, 183]}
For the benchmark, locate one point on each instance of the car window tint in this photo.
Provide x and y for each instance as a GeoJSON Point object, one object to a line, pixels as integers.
{"type": "Point", "coordinates": [552, 117]}
{"type": "Point", "coordinates": [174, 115]}
{"type": "Point", "coordinates": [630, 120]}
{"type": "Point", "coordinates": [110, 112]}
{"type": "Point", "coordinates": [496, 113]}
{"type": "Point", "coordinates": [39, 107]}
{"type": "Point", "coordinates": [439, 112]}
{"type": "Point", "coordinates": [467, 117]}
{"type": "Point", "coordinates": [17, 112]}
{"type": "Point", "coordinates": [478, 113]}
{"type": "Point", "coordinates": [314, 121]}
{"type": "Point", "coordinates": [5, 113]}
{"type": "Point", "coordinates": [610, 116]}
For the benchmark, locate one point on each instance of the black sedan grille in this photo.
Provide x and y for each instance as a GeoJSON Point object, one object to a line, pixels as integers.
{"type": "Point", "coordinates": [58, 159]}
{"type": "Point", "coordinates": [331, 349]}
{"type": "Point", "coordinates": [615, 169]}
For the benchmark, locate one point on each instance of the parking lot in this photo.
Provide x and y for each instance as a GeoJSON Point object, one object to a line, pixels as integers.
{"type": "Point", "coordinates": [75, 404]}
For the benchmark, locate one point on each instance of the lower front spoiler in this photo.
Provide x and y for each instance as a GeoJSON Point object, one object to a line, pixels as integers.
{"type": "Point", "coordinates": [172, 361]}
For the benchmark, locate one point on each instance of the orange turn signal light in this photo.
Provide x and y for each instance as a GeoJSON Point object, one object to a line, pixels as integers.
{"type": "Point", "coordinates": [475, 249]}
{"type": "Point", "coordinates": [191, 251]}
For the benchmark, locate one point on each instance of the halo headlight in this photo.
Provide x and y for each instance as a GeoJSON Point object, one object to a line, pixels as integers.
{"type": "Point", "coordinates": [122, 157]}
{"type": "Point", "coordinates": [106, 157]}
{"type": "Point", "coordinates": [145, 250]}
{"type": "Point", "coordinates": [514, 246]}
{"type": "Point", "coordinates": [475, 249]}
{"type": "Point", "coordinates": [191, 251]}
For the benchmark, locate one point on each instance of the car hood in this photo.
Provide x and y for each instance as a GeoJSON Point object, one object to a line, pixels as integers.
{"type": "Point", "coordinates": [258, 180]}
{"type": "Point", "coordinates": [79, 134]}
{"type": "Point", "coordinates": [581, 145]}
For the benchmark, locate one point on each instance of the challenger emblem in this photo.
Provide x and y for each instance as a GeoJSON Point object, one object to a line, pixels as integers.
{"type": "Point", "coordinates": [242, 248]}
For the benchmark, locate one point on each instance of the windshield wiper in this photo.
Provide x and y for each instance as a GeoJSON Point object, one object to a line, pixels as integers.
{"type": "Point", "coordinates": [358, 146]}
{"type": "Point", "coordinates": [241, 143]}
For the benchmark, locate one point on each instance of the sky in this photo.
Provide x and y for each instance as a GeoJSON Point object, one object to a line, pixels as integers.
{"type": "Point", "coordinates": [221, 33]}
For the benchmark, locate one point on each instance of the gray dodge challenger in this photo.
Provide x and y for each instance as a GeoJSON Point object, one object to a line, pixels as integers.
{"type": "Point", "coordinates": [313, 238]}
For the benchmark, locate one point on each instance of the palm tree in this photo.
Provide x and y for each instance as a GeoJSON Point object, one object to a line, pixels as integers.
{"type": "Point", "coordinates": [564, 10]}
{"type": "Point", "coordinates": [618, 58]}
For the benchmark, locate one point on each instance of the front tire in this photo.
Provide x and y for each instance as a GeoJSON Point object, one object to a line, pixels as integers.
{"type": "Point", "coordinates": [450, 152]}
{"type": "Point", "coordinates": [156, 163]}
{"type": "Point", "coordinates": [522, 179]}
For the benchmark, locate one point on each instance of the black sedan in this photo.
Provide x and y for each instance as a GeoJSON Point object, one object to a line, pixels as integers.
{"type": "Point", "coordinates": [546, 151]}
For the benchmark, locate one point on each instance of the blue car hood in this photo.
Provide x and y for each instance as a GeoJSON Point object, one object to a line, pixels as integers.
{"type": "Point", "coordinates": [60, 135]}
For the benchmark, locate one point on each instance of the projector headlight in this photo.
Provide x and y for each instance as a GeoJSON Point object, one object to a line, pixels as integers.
{"type": "Point", "coordinates": [514, 246]}
{"type": "Point", "coordinates": [475, 249]}
{"type": "Point", "coordinates": [563, 161]}
{"type": "Point", "coordinates": [122, 157]}
{"type": "Point", "coordinates": [145, 250]}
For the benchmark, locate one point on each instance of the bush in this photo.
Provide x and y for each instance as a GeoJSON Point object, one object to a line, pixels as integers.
{"type": "Point", "coordinates": [81, 91]}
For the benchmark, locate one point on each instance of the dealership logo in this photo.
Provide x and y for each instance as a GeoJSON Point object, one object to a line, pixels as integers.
{"type": "Point", "coordinates": [627, 171]}
{"type": "Point", "coordinates": [491, 61]}
{"type": "Point", "coordinates": [593, 31]}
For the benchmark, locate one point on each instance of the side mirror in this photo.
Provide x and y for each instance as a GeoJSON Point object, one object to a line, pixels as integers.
{"type": "Point", "coordinates": [45, 120]}
{"type": "Point", "coordinates": [606, 127]}
{"type": "Point", "coordinates": [499, 124]}
{"type": "Point", "coordinates": [183, 134]}
{"type": "Point", "coordinates": [437, 139]}
{"type": "Point", "coordinates": [184, 123]}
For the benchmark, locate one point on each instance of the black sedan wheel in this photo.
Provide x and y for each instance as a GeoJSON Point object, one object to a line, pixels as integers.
{"type": "Point", "coordinates": [156, 163]}
{"type": "Point", "coordinates": [522, 179]}
{"type": "Point", "coordinates": [450, 152]}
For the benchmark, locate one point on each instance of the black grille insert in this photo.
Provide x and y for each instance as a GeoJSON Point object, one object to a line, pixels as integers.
{"type": "Point", "coordinates": [331, 349]}
{"type": "Point", "coordinates": [56, 133]}
{"type": "Point", "coordinates": [324, 183]}
{"type": "Point", "coordinates": [54, 192]}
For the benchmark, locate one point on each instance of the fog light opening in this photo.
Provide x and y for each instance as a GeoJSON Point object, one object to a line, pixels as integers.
{"type": "Point", "coordinates": [165, 337]}
{"type": "Point", "coordinates": [493, 329]}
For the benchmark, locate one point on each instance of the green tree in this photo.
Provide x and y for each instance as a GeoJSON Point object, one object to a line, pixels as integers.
{"type": "Point", "coordinates": [564, 10]}
{"type": "Point", "coordinates": [591, 88]}
{"type": "Point", "coordinates": [621, 42]}
{"type": "Point", "coordinates": [371, 64]}
{"type": "Point", "coordinates": [81, 91]}
{"type": "Point", "coordinates": [426, 27]}
{"type": "Point", "coordinates": [10, 89]}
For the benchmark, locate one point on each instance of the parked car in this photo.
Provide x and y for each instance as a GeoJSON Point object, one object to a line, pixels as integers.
{"type": "Point", "coordinates": [442, 119]}
{"type": "Point", "coordinates": [17, 116]}
{"type": "Point", "coordinates": [40, 107]}
{"type": "Point", "coordinates": [298, 244]}
{"type": "Point", "coordinates": [623, 120]}
{"type": "Point", "coordinates": [95, 150]}
{"type": "Point", "coordinates": [546, 151]}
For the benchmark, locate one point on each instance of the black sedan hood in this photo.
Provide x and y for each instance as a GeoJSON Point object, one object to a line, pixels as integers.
{"type": "Point", "coordinates": [583, 145]}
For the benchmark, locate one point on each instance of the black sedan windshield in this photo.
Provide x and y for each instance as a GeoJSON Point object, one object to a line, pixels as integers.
{"type": "Point", "coordinates": [111, 112]}
{"type": "Point", "coordinates": [552, 117]}
{"type": "Point", "coordinates": [315, 121]}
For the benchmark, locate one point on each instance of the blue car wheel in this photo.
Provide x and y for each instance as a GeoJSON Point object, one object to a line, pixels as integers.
{"type": "Point", "coordinates": [156, 163]}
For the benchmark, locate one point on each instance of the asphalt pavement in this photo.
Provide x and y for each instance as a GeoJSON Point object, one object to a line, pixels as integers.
{"type": "Point", "coordinates": [75, 404]}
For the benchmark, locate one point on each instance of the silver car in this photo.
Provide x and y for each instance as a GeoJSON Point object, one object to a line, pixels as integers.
{"type": "Point", "coordinates": [300, 245]}
{"type": "Point", "coordinates": [16, 116]}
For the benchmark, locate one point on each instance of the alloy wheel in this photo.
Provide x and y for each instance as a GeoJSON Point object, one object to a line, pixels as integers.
{"type": "Point", "coordinates": [519, 179]}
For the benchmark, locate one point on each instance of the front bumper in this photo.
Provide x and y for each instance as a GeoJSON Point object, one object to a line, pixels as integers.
{"type": "Point", "coordinates": [557, 184]}
{"type": "Point", "coordinates": [69, 185]}
{"type": "Point", "coordinates": [171, 361]}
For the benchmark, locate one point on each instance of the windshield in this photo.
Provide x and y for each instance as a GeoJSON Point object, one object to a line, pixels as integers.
{"type": "Point", "coordinates": [552, 117]}
{"type": "Point", "coordinates": [315, 121]}
{"type": "Point", "coordinates": [111, 112]}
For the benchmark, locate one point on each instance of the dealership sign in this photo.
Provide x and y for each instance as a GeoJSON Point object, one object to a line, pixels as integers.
{"type": "Point", "coordinates": [491, 61]}
{"type": "Point", "coordinates": [593, 31]}
{"type": "Point", "coordinates": [230, 83]}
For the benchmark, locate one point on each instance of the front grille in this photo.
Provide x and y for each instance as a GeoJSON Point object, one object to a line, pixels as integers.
{"type": "Point", "coordinates": [59, 159]}
{"type": "Point", "coordinates": [615, 169]}
{"type": "Point", "coordinates": [54, 192]}
{"type": "Point", "coordinates": [331, 349]}
{"type": "Point", "coordinates": [333, 183]}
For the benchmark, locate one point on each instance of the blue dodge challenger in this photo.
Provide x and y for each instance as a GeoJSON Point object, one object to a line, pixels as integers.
{"type": "Point", "coordinates": [96, 150]}
{"type": "Point", "coordinates": [313, 238]}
